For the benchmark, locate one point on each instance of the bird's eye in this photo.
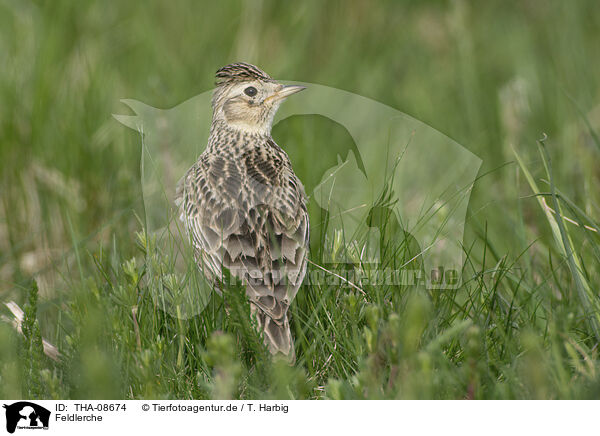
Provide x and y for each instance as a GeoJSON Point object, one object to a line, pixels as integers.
{"type": "Point", "coordinates": [250, 91]}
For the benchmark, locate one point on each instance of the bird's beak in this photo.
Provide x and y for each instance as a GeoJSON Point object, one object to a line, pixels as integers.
{"type": "Point", "coordinates": [285, 92]}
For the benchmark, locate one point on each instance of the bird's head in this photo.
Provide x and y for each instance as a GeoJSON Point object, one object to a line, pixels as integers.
{"type": "Point", "coordinates": [247, 98]}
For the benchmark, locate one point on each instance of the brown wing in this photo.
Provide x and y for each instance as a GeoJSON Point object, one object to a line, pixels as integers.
{"type": "Point", "coordinates": [249, 215]}
{"type": "Point", "coordinates": [206, 200]}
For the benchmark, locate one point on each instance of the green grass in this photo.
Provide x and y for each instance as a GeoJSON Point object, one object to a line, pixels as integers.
{"type": "Point", "coordinates": [495, 76]}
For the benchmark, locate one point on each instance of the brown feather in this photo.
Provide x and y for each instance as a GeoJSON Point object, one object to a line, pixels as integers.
{"type": "Point", "coordinates": [245, 210]}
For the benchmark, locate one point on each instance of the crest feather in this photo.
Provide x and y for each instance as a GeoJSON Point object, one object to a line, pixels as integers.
{"type": "Point", "coordinates": [241, 71]}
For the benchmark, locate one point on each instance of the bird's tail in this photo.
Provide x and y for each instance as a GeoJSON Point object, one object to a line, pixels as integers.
{"type": "Point", "coordinates": [276, 333]}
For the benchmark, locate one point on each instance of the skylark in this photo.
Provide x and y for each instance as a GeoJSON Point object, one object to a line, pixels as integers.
{"type": "Point", "coordinates": [242, 204]}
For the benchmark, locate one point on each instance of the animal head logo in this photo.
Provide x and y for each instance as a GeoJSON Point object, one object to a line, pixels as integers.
{"type": "Point", "coordinates": [417, 176]}
{"type": "Point", "coordinates": [26, 415]}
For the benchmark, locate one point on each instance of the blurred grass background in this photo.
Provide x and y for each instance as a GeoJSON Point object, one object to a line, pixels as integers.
{"type": "Point", "coordinates": [490, 75]}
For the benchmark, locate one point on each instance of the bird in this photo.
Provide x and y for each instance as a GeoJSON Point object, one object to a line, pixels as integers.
{"type": "Point", "coordinates": [243, 206]}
